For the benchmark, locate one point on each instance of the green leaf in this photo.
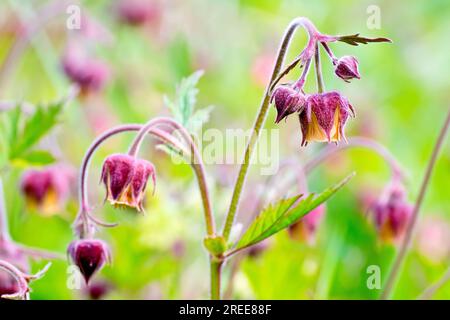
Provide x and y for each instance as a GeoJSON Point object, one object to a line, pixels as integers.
{"type": "Point", "coordinates": [183, 108]}
{"type": "Point", "coordinates": [34, 128]}
{"type": "Point", "coordinates": [284, 213]}
{"type": "Point", "coordinates": [33, 158]}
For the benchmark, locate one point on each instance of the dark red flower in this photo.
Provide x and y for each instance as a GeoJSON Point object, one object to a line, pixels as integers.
{"type": "Point", "coordinates": [89, 73]}
{"type": "Point", "coordinates": [8, 285]}
{"type": "Point", "coordinates": [98, 290]}
{"type": "Point", "coordinates": [125, 178]}
{"type": "Point", "coordinates": [392, 213]}
{"type": "Point", "coordinates": [47, 189]}
{"type": "Point", "coordinates": [324, 117]}
{"type": "Point", "coordinates": [347, 68]}
{"type": "Point", "coordinates": [287, 100]}
{"type": "Point", "coordinates": [89, 255]}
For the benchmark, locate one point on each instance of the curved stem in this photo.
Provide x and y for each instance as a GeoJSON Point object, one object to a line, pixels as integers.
{"type": "Point", "coordinates": [330, 150]}
{"type": "Point", "coordinates": [196, 162]}
{"type": "Point", "coordinates": [415, 214]}
{"type": "Point", "coordinates": [4, 232]}
{"type": "Point", "coordinates": [261, 117]}
{"type": "Point", "coordinates": [83, 195]}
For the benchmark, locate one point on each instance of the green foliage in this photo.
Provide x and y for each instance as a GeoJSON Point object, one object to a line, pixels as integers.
{"type": "Point", "coordinates": [19, 133]}
{"type": "Point", "coordinates": [284, 213]}
{"type": "Point", "coordinates": [183, 107]}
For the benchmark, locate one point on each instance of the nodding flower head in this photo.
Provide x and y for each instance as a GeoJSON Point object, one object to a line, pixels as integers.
{"type": "Point", "coordinates": [305, 229]}
{"type": "Point", "coordinates": [324, 117]}
{"type": "Point", "coordinates": [8, 285]}
{"type": "Point", "coordinates": [47, 189]}
{"type": "Point", "coordinates": [347, 68]}
{"type": "Point", "coordinates": [392, 213]}
{"type": "Point", "coordinates": [136, 12]}
{"type": "Point", "coordinates": [89, 255]}
{"type": "Point", "coordinates": [88, 73]}
{"type": "Point", "coordinates": [287, 100]}
{"type": "Point", "coordinates": [125, 178]}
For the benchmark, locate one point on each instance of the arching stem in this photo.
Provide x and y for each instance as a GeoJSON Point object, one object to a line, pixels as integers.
{"type": "Point", "coordinates": [262, 114]}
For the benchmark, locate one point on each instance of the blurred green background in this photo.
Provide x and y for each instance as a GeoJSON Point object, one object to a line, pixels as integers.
{"type": "Point", "coordinates": [400, 101]}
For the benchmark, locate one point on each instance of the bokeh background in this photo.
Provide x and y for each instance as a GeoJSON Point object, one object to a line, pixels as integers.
{"type": "Point", "coordinates": [400, 101]}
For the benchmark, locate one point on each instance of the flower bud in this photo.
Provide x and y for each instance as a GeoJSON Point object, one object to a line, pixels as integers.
{"type": "Point", "coordinates": [392, 213]}
{"type": "Point", "coordinates": [137, 12]}
{"type": "Point", "coordinates": [305, 228]}
{"type": "Point", "coordinates": [324, 117]}
{"type": "Point", "coordinates": [125, 178]}
{"type": "Point", "coordinates": [8, 285]}
{"type": "Point", "coordinates": [287, 100]}
{"type": "Point", "coordinates": [89, 255]}
{"type": "Point", "coordinates": [90, 74]}
{"type": "Point", "coordinates": [347, 68]}
{"type": "Point", "coordinates": [47, 189]}
{"type": "Point", "coordinates": [98, 290]}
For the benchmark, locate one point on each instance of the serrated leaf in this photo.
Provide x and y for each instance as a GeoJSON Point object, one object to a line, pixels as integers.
{"type": "Point", "coordinates": [284, 213]}
{"type": "Point", "coordinates": [34, 128]}
{"type": "Point", "coordinates": [199, 118]}
{"type": "Point", "coordinates": [355, 39]}
{"type": "Point", "coordinates": [33, 158]}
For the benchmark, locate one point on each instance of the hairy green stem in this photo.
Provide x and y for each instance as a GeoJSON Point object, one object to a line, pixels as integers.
{"type": "Point", "coordinates": [216, 270]}
{"type": "Point", "coordinates": [415, 214]}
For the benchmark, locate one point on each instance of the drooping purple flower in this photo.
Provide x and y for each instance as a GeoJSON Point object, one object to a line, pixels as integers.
{"type": "Point", "coordinates": [347, 68]}
{"type": "Point", "coordinates": [87, 72]}
{"type": "Point", "coordinates": [324, 117]}
{"type": "Point", "coordinates": [125, 178]}
{"type": "Point", "coordinates": [287, 101]}
{"type": "Point", "coordinates": [47, 189]}
{"type": "Point", "coordinates": [305, 229]}
{"type": "Point", "coordinates": [89, 255]}
{"type": "Point", "coordinates": [392, 213]}
{"type": "Point", "coordinates": [8, 285]}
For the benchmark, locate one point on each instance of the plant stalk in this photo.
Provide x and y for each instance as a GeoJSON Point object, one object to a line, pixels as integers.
{"type": "Point", "coordinates": [216, 271]}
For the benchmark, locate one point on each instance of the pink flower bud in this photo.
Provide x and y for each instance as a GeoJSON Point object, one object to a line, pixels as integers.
{"type": "Point", "coordinates": [347, 68]}
{"type": "Point", "coordinates": [98, 290]}
{"type": "Point", "coordinates": [47, 189]}
{"type": "Point", "coordinates": [324, 117]}
{"type": "Point", "coordinates": [89, 255]}
{"type": "Point", "coordinates": [8, 285]}
{"type": "Point", "coordinates": [305, 229]}
{"type": "Point", "coordinates": [392, 213]}
{"type": "Point", "coordinates": [90, 74]}
{"type": "Point", "coordinates": [137, 12]}
{"type": "Point", "coordinates": [287, 100]}
{"type": "Point", "coordinates": [125, 178]}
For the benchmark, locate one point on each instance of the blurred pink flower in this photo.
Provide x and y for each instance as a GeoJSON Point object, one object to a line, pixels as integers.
{"type": "Point", "coordinates": [305, 229]}
{"type": "Point", "coordinates": [433, 239]}
{"type": "Point", "coordinates": [262, 68]}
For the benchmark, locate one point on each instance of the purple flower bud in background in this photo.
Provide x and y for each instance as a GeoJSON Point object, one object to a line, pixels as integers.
{"type": "Point", "coordinates": [256, 250]}
{"type": "Point", "coordinates": [324, 117]}
{"type": "Point", "coordinates": [8, 285]}
{"type": "Point", "coordinates": [89, 255]}
{"type": "Point", "coordinates": [287, 100]}
{"type": "Point", "coordinates": [305, 229]}
{"type": "Point", "coordinates": [88, 73]}
{"type": "Point", "coordinates": [98, 290]}
{"type": "Point", "coordinates": [137, 12]}
{"type": "Point", "coordinates": [47, 189]}
{"type": "Point", "coordinates": [392, 213]}
{"type": "Point", "coordinates": [125, 179]}
{"type": "Point", "coordinates": [347, 68]}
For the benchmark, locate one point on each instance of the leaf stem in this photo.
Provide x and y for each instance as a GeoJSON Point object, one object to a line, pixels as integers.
{"type": "Point", "coordinates": [319, 77]}
{"type": "Point", "coordinates": [415, 214]}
